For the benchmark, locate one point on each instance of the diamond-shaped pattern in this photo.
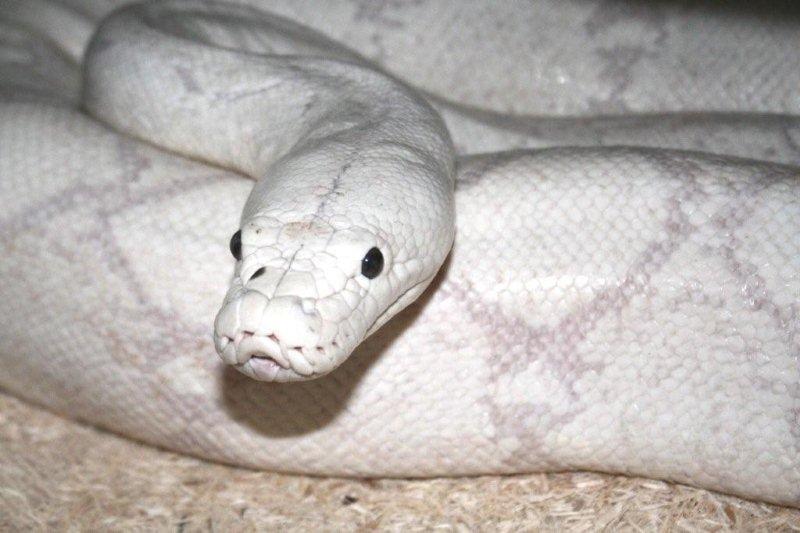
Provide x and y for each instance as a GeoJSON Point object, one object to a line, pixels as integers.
{"type": "Point", "coordinates": [603, 308]}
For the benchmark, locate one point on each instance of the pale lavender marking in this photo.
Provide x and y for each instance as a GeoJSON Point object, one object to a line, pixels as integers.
{"type": "Point", "coordinates": [170, 334]}
{"type": "Point", "coordinates": [187, 79]}
{"type": "Point", "coordinates": [556, 347]}
{"type": "Point", "coordinates": [755, 294]}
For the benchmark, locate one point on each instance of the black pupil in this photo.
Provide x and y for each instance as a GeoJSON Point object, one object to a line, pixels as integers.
{"type": "Point", "coordinates": [372, 264]}
{"type": "Point", "coordinates": [236, 245]}
{"type": "Point", "coordinates": [258, 272]}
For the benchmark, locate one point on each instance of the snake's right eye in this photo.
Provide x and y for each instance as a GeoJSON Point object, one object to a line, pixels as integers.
{"type": "Point", "coordinates": [236, 245]}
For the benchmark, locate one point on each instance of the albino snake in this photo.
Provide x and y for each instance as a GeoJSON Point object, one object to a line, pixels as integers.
{"type": "Point", "coordinates": [623, 309]}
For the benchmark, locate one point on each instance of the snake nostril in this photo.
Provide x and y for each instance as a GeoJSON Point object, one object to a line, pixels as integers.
{"type": "Point", "coordinates": [258, 273]}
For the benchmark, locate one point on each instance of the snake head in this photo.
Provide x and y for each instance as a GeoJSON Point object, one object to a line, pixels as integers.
{"type": "Point", "coordinates": [306, 293]}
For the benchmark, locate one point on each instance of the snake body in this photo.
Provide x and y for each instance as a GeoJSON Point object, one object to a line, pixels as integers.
{"type": "Point", "coordinates": [625, 309]}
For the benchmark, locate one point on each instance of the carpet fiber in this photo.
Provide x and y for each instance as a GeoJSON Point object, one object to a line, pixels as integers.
{"type": "Point", "coordinates": [58, 474]}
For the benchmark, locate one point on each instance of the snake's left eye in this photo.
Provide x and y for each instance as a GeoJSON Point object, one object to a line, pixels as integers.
{"type": "Point", "coordinates": [372, 264]}
{"type": "Point", "coordinates": [236, 245]}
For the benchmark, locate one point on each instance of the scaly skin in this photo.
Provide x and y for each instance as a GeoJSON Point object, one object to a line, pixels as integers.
{"type": "Point", "coordinates": [618, 309]}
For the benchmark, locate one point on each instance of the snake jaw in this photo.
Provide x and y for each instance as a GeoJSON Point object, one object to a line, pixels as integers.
{"type": "Point", "coordinates": [266, 358]}
{"type": "Point", "coordinates": [286, 341]}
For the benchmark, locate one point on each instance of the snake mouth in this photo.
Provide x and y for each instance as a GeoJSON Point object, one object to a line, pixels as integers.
{"type": "Point", "coordinates": [263, 368]}
{"type": "Point", "coordinates": [266, 358]}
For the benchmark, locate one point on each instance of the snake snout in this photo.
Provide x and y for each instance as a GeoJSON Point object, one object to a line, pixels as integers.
{"type": "Point", "coordinates": [278, 339]}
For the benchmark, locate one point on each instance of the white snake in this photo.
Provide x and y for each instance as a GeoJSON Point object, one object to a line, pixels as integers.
{"type": "Point", "coordinates": [620, 309]}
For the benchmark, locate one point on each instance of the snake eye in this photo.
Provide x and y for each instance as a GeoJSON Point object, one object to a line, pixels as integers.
{"type": "Point", "coordinates": [372, 264]}
{"type": "Point", "coordinates": [258, 273]}
{"type": "Point", "coordinates": [236, 245]}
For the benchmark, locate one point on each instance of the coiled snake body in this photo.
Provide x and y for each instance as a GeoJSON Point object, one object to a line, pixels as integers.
{"type": "Point", "coordinates": [623, 309]}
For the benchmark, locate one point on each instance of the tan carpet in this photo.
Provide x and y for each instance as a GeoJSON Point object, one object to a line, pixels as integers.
{"type": "Point", "coordinates": [56, 474]}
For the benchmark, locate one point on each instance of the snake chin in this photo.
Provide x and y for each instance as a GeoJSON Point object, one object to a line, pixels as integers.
{"type": "Point", "coordinates": [261, 367]}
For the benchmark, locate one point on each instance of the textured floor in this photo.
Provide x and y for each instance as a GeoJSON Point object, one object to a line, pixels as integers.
{"type": "Point", "coordinates": [56, 474]}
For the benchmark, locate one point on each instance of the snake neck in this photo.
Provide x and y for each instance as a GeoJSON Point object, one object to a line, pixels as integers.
{"type": "Point", "coordinates": [346, 160]}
